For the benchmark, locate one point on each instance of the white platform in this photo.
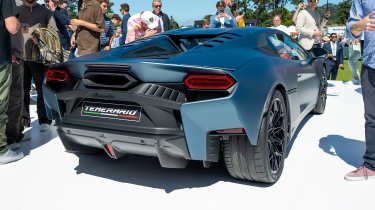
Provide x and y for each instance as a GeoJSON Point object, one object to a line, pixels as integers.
{"type": "Point", "coordinates": [326, 147]}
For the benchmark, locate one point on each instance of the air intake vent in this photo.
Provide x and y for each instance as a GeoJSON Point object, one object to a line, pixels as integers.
{"type": "Point", "coordinates": [161, 92]}
{"type": "Point", "coordinates": [108, 77]}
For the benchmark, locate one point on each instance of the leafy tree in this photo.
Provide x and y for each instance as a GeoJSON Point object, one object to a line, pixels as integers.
{"type": "Point", "coordinates": [207, 17]}
{"type": "Point", "coordinates": [110, 11]}
{"type": "Point", "coordinates": [174, 24]}
{"type": "Point", "coordinates": [72, 8]}
{"type": "Point", "coordinates": [74, 4]}
{"type": "Point", "coordinates": [342, 12]}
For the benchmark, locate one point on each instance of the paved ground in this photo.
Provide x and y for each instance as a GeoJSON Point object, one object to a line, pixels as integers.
{"type": "Point", "coordinates": [324, 149]}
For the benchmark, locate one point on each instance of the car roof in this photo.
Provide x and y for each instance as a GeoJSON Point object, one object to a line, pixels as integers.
{"type": "Point", "coordinates": [217, 31]}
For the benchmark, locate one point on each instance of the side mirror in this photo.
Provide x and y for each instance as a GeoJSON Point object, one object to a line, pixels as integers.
{"type": "Point", "coordinates": [319, 53]}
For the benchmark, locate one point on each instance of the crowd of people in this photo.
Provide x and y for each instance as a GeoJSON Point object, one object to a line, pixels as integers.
{"type": "Point", "coordinates": [27, 25]}
{"type": "Point", "coordinates": [42, 33]}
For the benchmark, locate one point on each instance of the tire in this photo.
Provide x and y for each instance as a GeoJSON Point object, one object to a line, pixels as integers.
{"type": "Point", "coordinates": [322, 96]}
{"type": "Point", "coordinates": [73, 147]}
{"type": "Point", "coordinates": [254, 162]}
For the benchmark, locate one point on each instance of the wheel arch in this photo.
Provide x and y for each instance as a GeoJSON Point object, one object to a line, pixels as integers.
{"type": "Point", "coordinates": [280, 87]}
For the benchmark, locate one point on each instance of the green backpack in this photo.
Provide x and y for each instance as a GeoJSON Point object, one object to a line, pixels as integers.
{"type": "Point", "coordinates": [48, 49]}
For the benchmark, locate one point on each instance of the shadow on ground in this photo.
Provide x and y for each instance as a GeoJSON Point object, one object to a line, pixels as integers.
{"type": "Point", "coordinates": [300, 126]}
{"type": "Point", "coordinates": [146, 171]}
{"type": "Point", "coordinates": [38, 138]}
{"type": "Point", "coordinates": [349, 150]}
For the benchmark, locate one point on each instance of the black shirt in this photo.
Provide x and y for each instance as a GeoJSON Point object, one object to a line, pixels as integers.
{"type": "Point", "coordinates": [7, 9]}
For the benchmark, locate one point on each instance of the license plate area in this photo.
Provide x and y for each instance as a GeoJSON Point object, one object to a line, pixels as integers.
{"type": "Point", "coordinates": [123, 112]}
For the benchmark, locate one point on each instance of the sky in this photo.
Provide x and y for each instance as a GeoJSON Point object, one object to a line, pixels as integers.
{"type": "Point", "coordinates": [184, 12]}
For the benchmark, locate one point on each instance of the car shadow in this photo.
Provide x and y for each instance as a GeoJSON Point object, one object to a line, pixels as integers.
{"type": "Point", "coordinates": [300, 126]}
{"type": "Point", "coordinates": [146, 171]}
{"type": "Point", "coordinates": [38, 138]}
{"type": "Point", "coordinates": [349, 150]}
{"type": "Point", "coordinates": [332, 94]}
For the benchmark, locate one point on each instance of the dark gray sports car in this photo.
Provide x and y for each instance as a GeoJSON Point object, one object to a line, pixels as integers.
{"type": "Point", "coordinates": [191, 94]}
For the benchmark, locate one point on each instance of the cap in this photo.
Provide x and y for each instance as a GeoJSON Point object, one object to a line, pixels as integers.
{"type": "Point", "coordinates": [151, 20]}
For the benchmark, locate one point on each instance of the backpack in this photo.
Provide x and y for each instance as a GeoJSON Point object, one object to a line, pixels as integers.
{"type": "Point", "coordinates": [49, 47]}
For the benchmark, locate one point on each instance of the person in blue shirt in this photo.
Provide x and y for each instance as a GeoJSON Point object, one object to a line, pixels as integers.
{"type": "Point", "coordinates": [221, 19]}
{"type": "Point", "coordinates": [124, 26]}
{"type": "Point", "coordinates": [106, 36]}
{"type": "Point", "coordinates": [62, 21]}
{"type": "Point", "coordinates": [362, 21]}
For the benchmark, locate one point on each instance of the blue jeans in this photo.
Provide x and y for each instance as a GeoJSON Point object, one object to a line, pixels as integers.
{"type": "Point", "coordinates": [353, 63]}
{"type": "Point", "coordinates": [368, 92]}
{"type": "Point", "coordinates": [332, 69]}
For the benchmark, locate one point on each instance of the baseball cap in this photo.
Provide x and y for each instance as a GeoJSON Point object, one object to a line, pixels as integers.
{"type": "Point", "coordinates": [151, 20]}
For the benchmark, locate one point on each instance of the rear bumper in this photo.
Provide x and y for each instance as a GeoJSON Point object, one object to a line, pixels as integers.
{"type": "Point", "coordinates": [172, 123]}
{"type": "Point", "coordinates": [171, 150]}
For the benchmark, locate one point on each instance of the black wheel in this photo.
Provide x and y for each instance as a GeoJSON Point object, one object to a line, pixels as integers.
{"type": "Point", "coordinates": [263, 162]}
{"type": "Point", "coordinates": [322, 96]}
{"type": "Point", "coordinates": [73, 147]}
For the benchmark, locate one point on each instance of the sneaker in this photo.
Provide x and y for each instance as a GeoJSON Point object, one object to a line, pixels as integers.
{"type": "Point", "coordinates": [44, 127]}
{"type": "Point", "coordinates": [360, 174]}
{"type": "Point", "coordinates": [10, 156]}
{"type": "Point", "coordinates": [356, 82]}
{"type": "Point", "coordinates": [15, 146]}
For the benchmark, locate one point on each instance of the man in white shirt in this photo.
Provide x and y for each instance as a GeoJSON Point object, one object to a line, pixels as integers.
{"type": "Point", "coordinates": [164, 19]}
{"type": "Point", "coordinates": [291, 31]}
{"type": "Point", "coordinates": [277, 25]}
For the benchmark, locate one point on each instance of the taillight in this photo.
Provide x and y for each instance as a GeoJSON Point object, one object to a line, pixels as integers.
{"type": "Point", "coordinates": [209, 81]}
{"type": "Point", "coordinates": [57, 75]}
{"type": "Point", "coordinates": [232, 130]}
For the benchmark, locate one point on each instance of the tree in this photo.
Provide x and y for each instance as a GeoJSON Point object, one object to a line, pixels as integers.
{"type": "Point", "coordinates": [174, 24]}
{"type": "Point", "coordinates": [72, 8]}
{"type": "Point", "coordinates": [110, 11]}
{"type": "Point", "coordinates": [207, 17]}
{"type": "Point", "coordinates": [342, 12]}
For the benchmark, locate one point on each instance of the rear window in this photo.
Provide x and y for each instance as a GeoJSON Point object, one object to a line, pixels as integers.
{"type": "Point", "coordinates": [159, 48]}
{"type": "Point", "coordinates": [163, 46]}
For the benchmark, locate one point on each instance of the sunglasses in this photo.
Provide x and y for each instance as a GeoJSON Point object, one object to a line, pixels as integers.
{"type": "Point", "coordinates": [157, 6]}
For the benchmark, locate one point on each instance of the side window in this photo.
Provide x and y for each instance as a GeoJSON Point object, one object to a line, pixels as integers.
{"type": "Point", "coordinates": [297, 53]}
{"type": "Point", "coordinates": [286, 48]}
{"type": "Point", "coordinates": [277, 42]}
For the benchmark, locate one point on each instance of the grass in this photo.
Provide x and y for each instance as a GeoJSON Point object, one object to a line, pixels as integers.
{"type": "Point", "coordinates": [346, 74]}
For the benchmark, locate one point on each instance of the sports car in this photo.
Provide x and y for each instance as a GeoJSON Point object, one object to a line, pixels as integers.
{"type": "Point", "coordinates": [236, 95]}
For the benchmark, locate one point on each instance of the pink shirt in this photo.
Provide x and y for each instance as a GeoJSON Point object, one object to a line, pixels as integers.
{"type": "Point", "coordinates": [135, 29]}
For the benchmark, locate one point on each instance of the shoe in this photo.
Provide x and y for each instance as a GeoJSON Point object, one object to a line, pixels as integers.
{"type": "Point", "coordinates": [15, 146]}
{"type": "Point", "coordinates": [10, 156]}
{"type": "Point", "coordinates": [356, 82]}
{"type": "Point", "coordinates": [44, 127]}
{"type": "Point", "coordinates": [360, 174]}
